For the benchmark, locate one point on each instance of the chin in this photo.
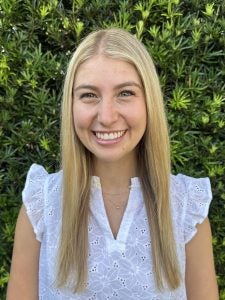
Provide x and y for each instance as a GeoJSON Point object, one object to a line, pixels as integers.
{"type": "Point", "coordinates": [115, 158]}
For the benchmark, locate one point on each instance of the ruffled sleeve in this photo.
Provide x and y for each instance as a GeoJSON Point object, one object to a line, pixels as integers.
{"type": "Point", "coordinates": [198, 199]}
{"type": "Point", "coordinates": [33, 196]}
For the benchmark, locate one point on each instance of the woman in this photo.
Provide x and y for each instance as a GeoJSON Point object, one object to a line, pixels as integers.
{"type": "Point", "coordinates": [113, 224]}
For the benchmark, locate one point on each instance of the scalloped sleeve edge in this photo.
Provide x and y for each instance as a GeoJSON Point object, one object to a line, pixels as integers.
{"type": "Point", "coordinates": [198, 203]}
{"type": "Point", "coordinates": [33, 197]}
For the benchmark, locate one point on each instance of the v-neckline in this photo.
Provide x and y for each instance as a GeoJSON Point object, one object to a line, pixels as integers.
{"type": "Point", "coordinates": [98, 210]}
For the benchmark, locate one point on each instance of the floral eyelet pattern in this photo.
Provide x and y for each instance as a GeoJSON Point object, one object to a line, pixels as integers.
{"type": "Point", "coordinates": [121, 268]}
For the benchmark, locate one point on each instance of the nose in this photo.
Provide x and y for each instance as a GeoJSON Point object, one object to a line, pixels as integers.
{"type": "Point", "coordinates": [107, 112]}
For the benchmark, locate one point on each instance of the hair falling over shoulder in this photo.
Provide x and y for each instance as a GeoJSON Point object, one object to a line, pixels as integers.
{"type": "Point", "coordinates": [154, 162]}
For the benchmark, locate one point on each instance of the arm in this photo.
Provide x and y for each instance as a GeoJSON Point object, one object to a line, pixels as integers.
{"type": "Point", "coordinates": [23, 281]}
{"type": "Point", "coordinates": [200, 275]}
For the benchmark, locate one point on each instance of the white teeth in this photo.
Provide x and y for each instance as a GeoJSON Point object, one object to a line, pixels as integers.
{"type": "Point", "coordinates": [109, 136]}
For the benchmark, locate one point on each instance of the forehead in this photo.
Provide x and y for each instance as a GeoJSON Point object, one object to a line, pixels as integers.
{"type": "Point", "coordinates": [105, 68]}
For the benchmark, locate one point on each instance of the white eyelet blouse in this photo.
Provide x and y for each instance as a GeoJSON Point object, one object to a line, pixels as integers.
{"type": "Point", "coordinates": [118, 268]}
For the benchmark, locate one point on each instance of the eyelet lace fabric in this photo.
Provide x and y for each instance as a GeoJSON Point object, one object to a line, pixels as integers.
{"type": "Point", "coordinates": [118, 268]}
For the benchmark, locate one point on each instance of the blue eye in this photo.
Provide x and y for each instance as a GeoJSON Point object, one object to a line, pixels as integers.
{"type": "Point", "coordinates": [126, 93]}
{"type": "Point", "coordinates": [88, 95]}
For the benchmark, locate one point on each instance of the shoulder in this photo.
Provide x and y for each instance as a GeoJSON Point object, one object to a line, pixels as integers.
{"type": "Point", "coordinates": [186, 183]}
{"type": "Point", "coordinates": [40, 173]}
{"type": "Point", "coordinates": [38, 179]}
{"type": "Point", "coordinates": [190, 188]}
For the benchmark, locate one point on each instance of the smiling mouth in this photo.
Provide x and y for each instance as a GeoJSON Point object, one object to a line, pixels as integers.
{"type": "Point", "coordinates": [109, 135]}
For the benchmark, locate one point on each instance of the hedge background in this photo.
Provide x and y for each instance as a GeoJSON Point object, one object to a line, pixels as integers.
{"type": "Point", "coordinates": [187, 41]}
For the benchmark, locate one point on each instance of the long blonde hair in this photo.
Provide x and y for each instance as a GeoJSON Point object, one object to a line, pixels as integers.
{"type": "Point", "coordinates": [153, 157]}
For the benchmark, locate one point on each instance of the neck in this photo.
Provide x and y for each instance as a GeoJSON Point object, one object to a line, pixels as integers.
{"type": "Point", "coordinates": [115, 177]}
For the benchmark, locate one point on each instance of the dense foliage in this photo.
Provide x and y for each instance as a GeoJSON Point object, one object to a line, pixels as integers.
{"type": "Point", "coordinates": [187, 41]}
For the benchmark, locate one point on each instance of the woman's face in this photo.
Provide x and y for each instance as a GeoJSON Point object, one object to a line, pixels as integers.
{"type": "Point", "coordinates": [109, 110]}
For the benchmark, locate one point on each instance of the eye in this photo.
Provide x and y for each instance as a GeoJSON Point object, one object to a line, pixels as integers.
{"type": "Point", "coordinates": [88, 95]}
{"type": "Point", "coordinates": [126, 93]}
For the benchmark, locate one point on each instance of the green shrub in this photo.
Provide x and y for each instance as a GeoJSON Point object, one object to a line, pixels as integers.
{"type": "Point", "coordinates": [187, 42]}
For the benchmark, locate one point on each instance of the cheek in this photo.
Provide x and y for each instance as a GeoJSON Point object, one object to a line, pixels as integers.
{"type": "Point", "coordinates": [143, 114]}
{"type": "Point", "coordinates": [81, 118]}
{"type": "Point", "coordinates": [138, 117]}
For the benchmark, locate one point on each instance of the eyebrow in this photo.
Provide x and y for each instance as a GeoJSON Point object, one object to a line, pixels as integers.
{"type": "Point", "coordinates": [119, 86]}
